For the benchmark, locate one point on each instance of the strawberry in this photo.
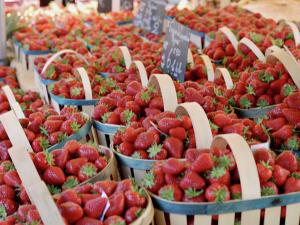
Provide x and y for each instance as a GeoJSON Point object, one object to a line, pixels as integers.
{"type": "Point", "coordinates": [52, 125]}
{"type": "Point", "coordinates": [73, 166]}
{"type": "Point", "coordinates": [9, 205]}
{"type": "Point", "coordinates": [154, 180]}
{"type": "Point", "coordinates": [114, 220]}
{"type": "Point", "coordinates": [217, 192]}
{"type": "Point", "coordinates": [71, 211]}
{"type": "Point", "coordinates": [33, 216]}
{"type": "Point", "coordinates": [192, 180]}
{"type": "Point", "coordinates": [293, 100]}
{"type": "Point", "coordinates": [157, 152]}
{"type": "Point", "coordinates": [269, 188]}
{"type": "Point", "coordinates": [99, 111]}
{"type": "Point", "coordinates": [146, 139]}
{"type": "Point", "coordinates": [165, 124]}
{"type": "Point", "coordinates": [69, 127]}
{"type": "Point", "coordinates": [72, 146]}
{"type": "Point", "coordinates": [292, 184]}
{"type": "Point", "coordinates": [126, 148]}
{"type": "Point", "coordinates": [178, 132]}
{"type": "Point", "coordinates": [124, 185]}
{"type": "Point", "coordinates": [132, 214]}
{"type": "Point", "coordinates": [88, 151]}
{"type": "Point", "coordinates": [288, 161]}
{"type": "Point", "coordinates": [247, 101]}
{"type": "Point", "coordinates": [293, 143]}
{"type": "Point", "coordinates": [284, 132]}
{"type": "Point", "coordinates": [264, 155]}
{"type": "Point", "coordinates": [186, 122]}
{"type": "Point", "coordinates": [171, 193]}
{"type": "Point", "coordinates": [292, 115]}
{"type": "Point", "coordinates": [94, 207]}
{"type": "Point", "coordinates": [54, 175]}
{"type": "Point", "coordinates": [264, 171]}
{"type": "Point", "coordinates": [23, 211]}
{"type": "Point", "coordinates": [117, 205]}
{"type": "Point", "coordinates": [203, 163]}
{"type": "Point", "coordinates": [88, 221]}
{"type": "Point", "coordinates": [12, 179]}
{"type": "Point", "coordinates": [6, 192]}
{"type": "Point", "coordinates": [280, 175]}
{"type": "Point", "coordinates": [107, 186]}
{"type": "Point", "coordinates": [173, 166]}
{"type": "Point", "coordinates": [260, 132]}
{"type": "Point", "coordinates": [222, 120]}
{"type": "Point", "coordinates": [129, 135]}
{"type": "Point", "coordinates": [236, 191]}
{"type": "Point", "coordinates": [61, 156]}
{"type": "Point", "coordinates": [40, 144]}
{"type": "Point", "coordinates": [234, 128]}
{"type": "Point", "coordinates": [275, 124]}
{"type": "Point", "coordinates": [264, 100]}
{"type": "Point", "coordinates": [133, 88]}
{"type": "Point", "coordinates": [174, 147]}
{"type": "Point", "coordinates": [219, 175]}
{"type": "Point", "coordinates": [101, 163]}
{"type": "Point", "coordinates": [127, 116]}
{"type": "Point", "coordinates": [133, 198]}
{"type": "Point", "coordinates": [191, 195]}
{"type": "Point", "coordinates": [87, 171]}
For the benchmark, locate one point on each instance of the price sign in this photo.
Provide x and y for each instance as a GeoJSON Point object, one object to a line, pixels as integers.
{"type": "Point", "coordinates": [150, 16]}
{"type": "Point", "coordinates": [175, 50]}
{"type": "Point", "coordinates": [105, 6]}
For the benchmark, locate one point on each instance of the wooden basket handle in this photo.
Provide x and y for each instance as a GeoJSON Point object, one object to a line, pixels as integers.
{"type": "Point", "coordinates": [166, 87]}
{"type": "Point", "coordinates": [15, 131]}
{"type": "Point", "coordinates": [226, 76]}
{"type": "Point", "coordinates": [86, 83]}
{"type": "Point", "coordinates": [56, 55]}
{"type": "Point", "coordinates": [203, 134]}
{"type": "Point", "coordinates": [127, 56]}
{"type": "Point", "coordinates": [247, 170]}
{"type": "Point", "coordinates": [290, 65]}
{"type": "Point", "coordinates": [142, 72]}
{"type": "Point", "coordinates": [295, 31]}
{"type": "Point", "coordinates": [231, 37]}
{"type": "Point", "coordinates": [271, 49]}
{"type": "Point", "coordinates": [253, 48]}
{"type": "Point", "coordinates": [209, 67]}
{"type": "Point", "coordinates": [14, 105]}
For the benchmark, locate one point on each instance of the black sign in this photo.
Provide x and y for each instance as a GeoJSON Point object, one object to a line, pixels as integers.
{"type": "Point", "coordinates": [175, 50]}
{"type": "Point", "coordinates": [150, 16]}
{"type": "Point", "coordinates": [105, 6]}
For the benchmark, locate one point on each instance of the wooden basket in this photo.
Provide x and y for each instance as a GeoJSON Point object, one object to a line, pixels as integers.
{"type": "Point", "coordinates": [249, 206]}
{"type": "Point", "coordinates": [130, 167]}
{"type": "Point", "coordinates": [105, 132]}
{"type": "Point", "coordinates": [41, 83]}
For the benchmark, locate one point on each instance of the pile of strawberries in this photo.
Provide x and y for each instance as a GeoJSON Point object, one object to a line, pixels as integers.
{"type": "Point", "coordinates": [264, 85]}
{"type": "Point", "coordinates": [45, 128]}
{"type": "Point", "coordinates": [29, 100]}
{"type": "Point", "coordinates": [8, 77]}
{"type": "Point", "coordinates": [69, 166]}
{"type": "Point", "coordinates": [283, 123]}
{"type": "Point", "coordinates": [211, 175]}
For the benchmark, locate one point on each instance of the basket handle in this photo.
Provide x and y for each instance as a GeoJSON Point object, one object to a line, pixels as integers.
{"type": "Point", "coordinates": [203, 134]}
{"type": "Point", "coordinates": [271, 49]}
{"type": "Point", "coordinates": [226, 76]}
{"type": "Point", "coordinates": [231, 37]}
{"type": "Point", "coordinates": [247, 170]}
{"type": "Point", "coordinates": [290, 65]}
{"type": "Point", "coordinates": [56, 55]}
{"type": "Point", "coordinates": [127, 56]}
{"type": "Point", "coordinates": [142, 72]}
{"type": "Point", "coordinates": [166, 87]}
{"type": "Point", "coordinates": [86, 83]}
{"type": "Point", "coordinates": [295, 31]}
{"type": "Point", "coordinates": [253, 48]}
{"type": "Point", "coordinates": [209, 67]}
{"type": "Point", "coordinates": [14, 105]}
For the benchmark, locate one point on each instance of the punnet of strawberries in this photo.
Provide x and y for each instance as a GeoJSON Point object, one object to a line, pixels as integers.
{"type": "Point", "coordinates": [211, 175]}
{"type": "Point", "coordinates": [8, 77]}
{"type": "Point", "coordinates": [45, 128]}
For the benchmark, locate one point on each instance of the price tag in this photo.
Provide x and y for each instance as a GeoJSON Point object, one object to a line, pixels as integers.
{"type": "Point", "coordinates": [105, 6]}
{"type": "Point", "coordinates": [175, 50]}
{"type": "Point", "coordinates": [151, 15]}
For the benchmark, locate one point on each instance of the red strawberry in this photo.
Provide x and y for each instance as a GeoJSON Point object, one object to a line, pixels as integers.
{"type": "Point", "coordinates": [69, 195]}
{"type": "Point", "coordinates": [203, 163]}
{"type": "Point", "coordinates": [23, 211]}
{"type": "Point", "coordinates": [133, 198]}
{"type": "Point", "coordinates": [71, 211]}
{"type": "Point", "coordinates": [145, 139]}
{"type": "Point", "coordinates": [94, 207]}
{"type": "Point", "coordinates": [88, 151]}
{"type": "Point", "coordinates": [69, 127]}
{"type": "Point", "coordinates": [292, 184]}
{"type": "Point", "coordinates": [54, 175]}
{"type": "Point", "coordinates": [217, 192]}
{"type": "Point", "coordinates": [191, 195]}
{"type": "Point", "coordinates": [236, 191]}
{"type": "Point", "coordinates": [132, 214]}
{"type": "Point", "coordinates": [234, 128]}
{"type": "Point", "coordinates": [72, 146]}
{"type": "Point", "coordinates": [126, 148]}
{"type": "Point", "coordinates": [275, 124]}
{"type": "Point", "coordinates": [171, 193]}
{"type": "Point", "coordinates": [284, 132]}
{"type": "Point", "coordinates": [154, 180]}
{"type": "Point", "coordinates": [269, 188]}
{"type": "Point", "coordinates": [219, 175]}
{"type": "Point", "coordinates": [100, 163]}
{"type": "Point", "coordinates": [173, 166]}
{"type": "Point", "coordinates": [280, 175]}
{"type": "Point", "coordinates": [124, 185]}
{"type": "Point", "coordinates": [117, 205]}
{"type": "Point", "coordinates": [40, 144]}
{"type": "Point", "coordinates": [9, 205]}
{"type": "Point", "coordinates": [288, 161]}
{"type": "Point", "coordinates": [73, 165]}
{"type": "Point", "coordinates": [157, 152]}
{"type": "Point", "coordinates": [6, 192]}
{"type": "Point", "coordinates": [127, 116]}
{"type": "Point", "coordinates": [107, 186]}
{"type": "Point", "coordinates": [114, 220]}
{"type": "Point", "coordinates": [264, 171]}
{"type": "Point", "coordinates": [178, 132]}
{"type": "Point", "coordinates": [264, 155]}
{"type": "Point", "coordinates": [87, 171]}
{"type": "Point", "coordinates": [192, 180]}
{"type": "Point", "coordinates": [33, 216]}
{"type": "Point", "coordinates": [293, 100]}
{"type": "Point", "coordinates": [222, 120]}
{"type": "Point", "coordinates": [129, 135]}
{"type": "Point", "coordinates": [165, 124]}
{"type": "Point", "coordinates": [174, 146]}
{"type": "Point", "coordinates": [12, 179]}
{"type": "Point", "coordinates": [292, 115]}
{"type": "Point", "coordinates": [52, 125]}
{"type": "Point", "coordinates": [88, 221]}
{"type": "Point", "coordinates": [99, 111]}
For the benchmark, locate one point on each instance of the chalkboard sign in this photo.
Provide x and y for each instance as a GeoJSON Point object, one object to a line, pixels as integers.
{"type": "Point", "coordinates": [175, 50]}
{"type": "Point", "coordinates": [105, 6]}
{"type": "Point", "coordinates": [151, 15]}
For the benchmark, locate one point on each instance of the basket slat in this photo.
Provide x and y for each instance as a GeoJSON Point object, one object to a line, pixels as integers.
{"type": "Point", "coordinates": [159, 217]}
{"type": "Point", "coordinates": [250, 217]}
{"type": "Point", "coordinates": [292, 214]}
{"type": "Point", "coordinates": [226, 219]}
{"type": "Point", "coordinates": [272, 216]}
{"type": "Point", "coordinates": [176, 219]}
{"type": "Point", "coordinates": [139, 174]}
{"type": "Point", "coordinates": [202, 219]}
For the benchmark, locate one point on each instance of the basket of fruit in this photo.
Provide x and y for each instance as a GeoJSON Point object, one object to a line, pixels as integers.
{"type": "Point", "coordinates": [206, 189]}
{"type": "Point", "coordinates": [167, 134]}
{"type": "Point", "coordinates": [59, 65]}
{"type": "Point", "coordinates": [107, 115]}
